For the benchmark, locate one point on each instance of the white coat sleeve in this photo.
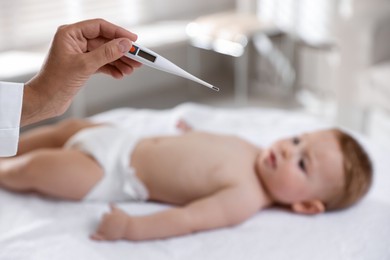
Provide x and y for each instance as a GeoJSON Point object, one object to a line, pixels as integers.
{"type": "Point", "coordinates": [11, 97]}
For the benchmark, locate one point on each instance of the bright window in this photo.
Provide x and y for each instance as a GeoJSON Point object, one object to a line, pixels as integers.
{"type": "Point", "coordinates": [28, 23]}
{"type": "Point", "coordinates": [309, 20]}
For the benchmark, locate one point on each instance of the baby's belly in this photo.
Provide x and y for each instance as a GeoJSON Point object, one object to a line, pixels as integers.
{"type": "Point", "coordinates": [179, 169]}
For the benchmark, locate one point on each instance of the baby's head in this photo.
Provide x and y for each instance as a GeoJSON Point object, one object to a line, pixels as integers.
{"type": "Point", "coordinates": [317, 171]}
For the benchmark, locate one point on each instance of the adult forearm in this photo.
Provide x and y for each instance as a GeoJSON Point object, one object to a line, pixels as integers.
{"type": "Point", "coordinates": [33, 107]}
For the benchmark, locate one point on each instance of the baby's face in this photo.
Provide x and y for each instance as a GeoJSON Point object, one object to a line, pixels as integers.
{"type": "Point", "coordinates": [302, 168]}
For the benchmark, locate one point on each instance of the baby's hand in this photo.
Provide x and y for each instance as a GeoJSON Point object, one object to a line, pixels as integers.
{"type": "Point", "coordinates": [112, 226]}
{"type": "Point", "coordinates": [183, 126]}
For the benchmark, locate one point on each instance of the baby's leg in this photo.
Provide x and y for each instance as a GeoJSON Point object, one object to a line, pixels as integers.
{"type": "Point", "coordinates": [52, 136]}
{"type": "Point", "coordinates": [65, 174]}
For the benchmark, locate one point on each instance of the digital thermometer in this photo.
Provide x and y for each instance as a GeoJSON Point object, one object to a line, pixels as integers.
{"type": "Point", "coordinates": [152, 59]}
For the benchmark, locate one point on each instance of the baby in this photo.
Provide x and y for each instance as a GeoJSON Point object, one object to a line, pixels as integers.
{"type": "Point", "coordinates": [212, 180]}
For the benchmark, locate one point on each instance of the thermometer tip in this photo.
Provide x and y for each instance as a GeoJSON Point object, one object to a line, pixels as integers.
{"type": "Point", "coordinates": [215, 88]}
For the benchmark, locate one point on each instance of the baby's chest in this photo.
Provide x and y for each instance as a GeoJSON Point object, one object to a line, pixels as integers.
{"type": "Point", "coordinates": [228, 171]}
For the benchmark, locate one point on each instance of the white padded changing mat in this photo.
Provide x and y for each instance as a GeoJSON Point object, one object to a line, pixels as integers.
{"type": "Point", "coordinates": [33, 227]}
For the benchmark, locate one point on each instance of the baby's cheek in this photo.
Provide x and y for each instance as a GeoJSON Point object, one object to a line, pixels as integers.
{"type": "Point", "coordinates": [282, 189]}
{"type": "Point", "coordinates": [290, 186]}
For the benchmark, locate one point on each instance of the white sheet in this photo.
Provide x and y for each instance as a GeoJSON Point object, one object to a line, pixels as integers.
{"type": "Point", "coordinates": [32, 227]}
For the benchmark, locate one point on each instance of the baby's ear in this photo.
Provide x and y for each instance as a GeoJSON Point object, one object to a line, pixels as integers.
{"type": "Point", "coordinates": [311, 207]}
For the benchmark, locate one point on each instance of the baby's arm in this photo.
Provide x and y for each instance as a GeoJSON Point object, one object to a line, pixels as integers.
{"type": "Point", "coordinates": [227, 207]}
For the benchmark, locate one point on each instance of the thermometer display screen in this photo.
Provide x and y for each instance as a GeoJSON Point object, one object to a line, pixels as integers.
{"type": "Point", "coordinates": [146, 55]}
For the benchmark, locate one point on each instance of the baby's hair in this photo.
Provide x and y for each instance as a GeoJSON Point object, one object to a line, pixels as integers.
{"type": "Point", "coordinates": [358, 171]}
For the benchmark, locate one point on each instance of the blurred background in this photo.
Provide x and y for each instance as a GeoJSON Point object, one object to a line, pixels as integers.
{"type": "Point", "coordinates": [329, 58]}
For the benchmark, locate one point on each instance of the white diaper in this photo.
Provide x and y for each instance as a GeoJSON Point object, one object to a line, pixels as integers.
{"type": "Point", "coordinates": [111, 147]}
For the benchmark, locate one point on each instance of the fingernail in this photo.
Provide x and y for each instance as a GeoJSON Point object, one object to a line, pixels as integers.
{"type": "Point", "coordinates": [124, 46]}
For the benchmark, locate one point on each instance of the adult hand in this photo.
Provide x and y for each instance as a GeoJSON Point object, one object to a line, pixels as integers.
{"type": "Point", "coordinates": [77, 51]}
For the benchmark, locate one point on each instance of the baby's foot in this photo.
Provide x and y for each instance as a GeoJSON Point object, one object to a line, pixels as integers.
{"type": "Point", "coordinates": [183, 126]}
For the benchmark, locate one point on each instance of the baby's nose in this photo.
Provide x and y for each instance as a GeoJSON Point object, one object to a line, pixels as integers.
{"type": "Point", "coordinates": [285, 151]}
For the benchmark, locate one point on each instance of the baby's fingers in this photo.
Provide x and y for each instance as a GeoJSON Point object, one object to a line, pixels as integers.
{"type": "Point", "coordinates": [97, 237]}
{"type": "Point", "coordinates": [114, 210]}
{"type": "Point", "coordinates": [113, 207]}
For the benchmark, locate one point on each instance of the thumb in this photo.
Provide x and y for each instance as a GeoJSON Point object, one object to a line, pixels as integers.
{"type": "Point", "coordinates": [97, 237]}
{"type": "Point", "coordinates": [113, 207]}
{"type": "Point", "coordinates": [109, 52]}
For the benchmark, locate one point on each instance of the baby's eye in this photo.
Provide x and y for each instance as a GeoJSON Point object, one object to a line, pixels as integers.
{"type": "Point", "coordinates": [296, 140]}
{"type": "Point", "coordinates": [302, 165]}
